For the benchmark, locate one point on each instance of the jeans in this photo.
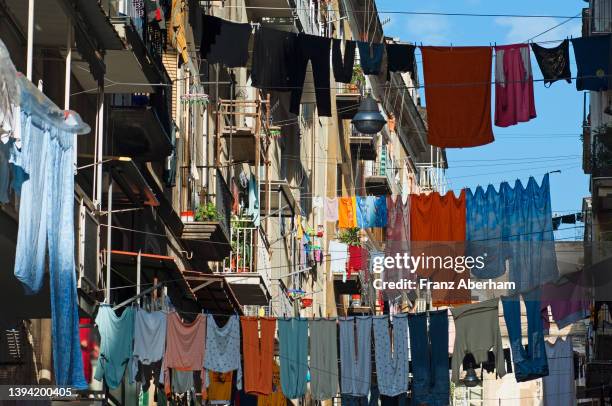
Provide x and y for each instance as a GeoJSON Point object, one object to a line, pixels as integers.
{"type": "Point", "coordinates": [530, 363]}
{"type": "Point", "coordinates": [315, 49]}
{"type": "Point", "coordinates": [350, 400]}
{"type": "Point", "coordinates": [46, 223]}
{"type": "Point", "coordinates": [370, 56]}
{"type": "Point", "coordinates": [343, 67]}
{"type": "Point", "coordinates": [430, 384]}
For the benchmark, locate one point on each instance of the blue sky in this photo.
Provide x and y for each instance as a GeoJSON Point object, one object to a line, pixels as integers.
{"type": "Point", "coordinates": [550, 141]}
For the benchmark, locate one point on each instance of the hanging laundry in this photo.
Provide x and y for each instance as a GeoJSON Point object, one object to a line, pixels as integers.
{"type": "Point", "coordinates": [594, 62]}
{"type": "Point", "coordinates": [398, 236]}
{"type": "Point", "coordinates": [343, 66]}
{"type": "Point", "coordinates": [370, 57]}
{"type": "Point", "coordinates": [317, 202]}
{"type": "Point", "coordinates": [293, 349]}
{"type": "Point", "coordinates": [568, 300]}
{"type": "Point", "coordinates": [484, 224]}
{"type": "Point", "coordinates": [338, 258]}
{"type": "Point", "coordinates": [253, 209]}
{"type": "Point", "coordinates": [185, 344]}
{"type": "Point", "coordinates": [400, 58]}
{"type": "Point", "coordinates": [182, 381]}
{"type": "Point", "coordinates": [219, 390]}
{"type": "Point", "coordinates": [10, 112]}
{"type": "Point", "coordinates": [274, 52]}
{"type": "Point", "coordinates": [358, 259]}
{"type": "Point", "coordinates": [331, 209]}
{"type": "Point", "coordinates": [458, 104]}
{"type": "Point", "coordinates": [554, 62]}
{"type": "Point", "coordinates": [276, 398]}
{"type": "Point", "coordinates": [177, 29]}
{"type": "Point", "coordinates": [558, 387]}
{"type": "Point", "coordinates": [429, 349]}
{"type": "Point", "coordinates": [223, 348]}
{"type": "Point", "coordinates": [116, 336]}
{"type": "Point", "coordinates": [347, 212]}
{"type": "Point", "coordinates": [149, 342]}
{"type": "Point", "coordinates": [371, 211]}
{"type": "Point", "coordinates": [315, 49]}
{"type": "Point", "coordinates": [391, 362]}
{"type": "Point", "coordinates": [88, 346]}
{"type": "Point", "coordinates": [323, 358]}
{"type": "Point", "coordinates": [355, 357]}
{"type": "Point", "coordinates": [44, 175]}
{"type": "Point", "coordinates": [225, 42]}
{"type": "Point", "coordinates": [5, 171]}
{"type": "Point", "coordinates": [258, 353]}
{"type": "Point", "coordinates": [476, 332]}
{"type": "Point", "coordinates": [437, 227]}
{"type": "Point", "coordinates": [531, 362]}
{"type": "Point", "coordinates": [514, 100]}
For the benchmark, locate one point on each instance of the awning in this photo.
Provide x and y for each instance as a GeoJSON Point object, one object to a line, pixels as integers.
{"type": "Point", "coordinates": [281, 198]}
{"type": "Point", "coordinates": [213, 292]}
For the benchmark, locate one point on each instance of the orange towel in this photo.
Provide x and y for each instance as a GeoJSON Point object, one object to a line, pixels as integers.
{"type": "Point", "coordinates": [258, 354]}
{"type": "Point", "coordinates": [347, 212]}
{"type": "Point", "coordinates": [437, 229]}
{"type": "Point", "coordinates": [458, 95]}
{"type": "Point", "coordinates": [276, 398]}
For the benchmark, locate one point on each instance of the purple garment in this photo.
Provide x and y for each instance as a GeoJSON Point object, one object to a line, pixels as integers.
{"type": "Point", "coordinates": [568, 300]}
{"type": "Point", "coordinates": [398, 236]}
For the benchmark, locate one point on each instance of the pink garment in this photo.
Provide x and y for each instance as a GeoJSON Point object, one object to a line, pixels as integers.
{"type": "Point", "coordinates": [331, 209]}
{"type": "Point", "coordinates": [398, 236]}
{"type": "Point", "coordinates": [514, 100]}
{"type": "Point", "coordinates": [185, 346]}
{"type": "Point", "coordinates": [568, 300]}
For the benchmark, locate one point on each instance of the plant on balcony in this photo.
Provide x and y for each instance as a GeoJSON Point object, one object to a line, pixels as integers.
{"type": "Point", "coordinates": [207, 212]}
{"type": "Point", "coordinates": [350, 236]}
{"type": "Point", "coordinates": [358, 78]}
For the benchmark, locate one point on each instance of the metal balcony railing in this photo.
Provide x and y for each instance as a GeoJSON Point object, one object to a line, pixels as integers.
{"type": "Point", "coordinates": [157, 102]}
{"type": "Point", "coordinates": [249, 250]}
{"type": "Point", "coordinates": [601, 16]}
{"type": "Point", "coordinates": [431, 178]}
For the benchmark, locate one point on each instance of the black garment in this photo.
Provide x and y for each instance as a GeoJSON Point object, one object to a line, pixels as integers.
{"type": "Point", "coordinates": [211, 27]}
{"type": "Point", "coordinates": [489, 364]}
{"type": "Point", "coordinates": [230, 46]}
{"type": "Point", "coordinates": [274, 52]}
{"type": "Point", "coordinates": [315, 49]}
{"type": "Point", "coordinates": [556, 222]}
{"type": "Point", "coordinates": [593, 57]}
{"type": "Point", "coordinates": [370, 57]}
{"type": "Point", "coordinates": [554, 62]}
{"type": "Point", "coordinates": [146, 373]}
{"type": "Point", "coordinates": [400, 58]}
{"type": "Point", "coordinates": [343, 67]}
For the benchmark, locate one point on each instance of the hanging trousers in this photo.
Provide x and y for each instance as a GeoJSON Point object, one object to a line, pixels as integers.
{"type": "Point", "coordinates": [46, 226]}
{"type": "Point", "coordinates": [258, 354]}
{"type": "Point", "coordinates": [343, 66]}
{"type": "Point", "coordinates": [429, 349]}
{"type": "Point", "coordinates": [530, 363]}
{"type": "Point", "coordinates": [323, 358]}
{"type": "Point", "coordinates": [293, 348]}
{"type": "Point", "coordinates": [355, 359]}
{"type": "Point", "coordinates": [315, 49]}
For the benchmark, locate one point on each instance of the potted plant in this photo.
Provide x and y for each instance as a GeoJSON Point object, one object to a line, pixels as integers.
{"type": "Point", "coordinates": [350, 236]}
{"type": "Point", "coordinates": [358, 79]}
{"type": "Point", "coordinates": [207, 212]}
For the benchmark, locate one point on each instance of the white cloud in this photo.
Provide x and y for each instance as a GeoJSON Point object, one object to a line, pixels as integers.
{"type": "Point", "coordinates": [521, 29]}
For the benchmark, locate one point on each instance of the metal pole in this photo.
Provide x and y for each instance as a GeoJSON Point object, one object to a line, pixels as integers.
{"type": "Point", "coordinates": [30, 46]}
{"type": "Point", "coordinates": [138, 268]}
{"type": "Point", "coordinates": [100, 147]}
{"type": "Point", "coordinates": [109, 215]}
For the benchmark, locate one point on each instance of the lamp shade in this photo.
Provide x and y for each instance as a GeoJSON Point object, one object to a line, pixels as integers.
{"type": "Point", "coordinates": [368, 119]}
{"type": "Point", "coordinates": [471, 379]}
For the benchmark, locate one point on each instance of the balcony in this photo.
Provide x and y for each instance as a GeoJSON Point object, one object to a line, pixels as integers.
{"type": "Point", "coordinates": [348, 95]}
{"type": "Point", "coordinates": [380, 175]}
{"type": "Point", "coordinates": [140, 126]}
{"type": "Point", "coordinates": [600, 20]}
{"type": "Point", "coordinates": [431, 178]}
{"type": "Point", "coordinates": [239, 124]}
{"type": "Point", "coordinates": [363, 146]}
{"type": "Point", "coordinates": [207, 234]}
{"type": "Point", "coordinates": [248, 269]}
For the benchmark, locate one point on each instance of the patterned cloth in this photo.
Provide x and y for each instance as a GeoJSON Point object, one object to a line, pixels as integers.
{"type": "Point", "coordinates": [223, 348]}
{"type": "Point", "coordinates": [391, 366]}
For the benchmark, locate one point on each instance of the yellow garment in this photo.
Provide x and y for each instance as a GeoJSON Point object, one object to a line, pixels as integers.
{"type": "Point", "coordinates": [300, 231]}
{"type": "Point", "coordinates": [177, 30]}
{"type": "Point", "coordinates": [347, 212]}
{"type": "Point", "coordinates": [220, 387]}
{"type": "Point", "coordinates": [276, 398]}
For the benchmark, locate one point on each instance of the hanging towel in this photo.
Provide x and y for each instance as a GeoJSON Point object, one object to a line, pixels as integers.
{"type": "Point", "coordinates": [371, 211]}
{"type": "Point", "coordinates": [273, 53]}
{"type": "Point", "coordinates": [458, 94]}
{"type": "Point", "coordinates": [476, 332]}
{"type": "Point", "coordinates": [343, 66]}
{"type": "Point", "coordinates": [400, 58]}
{"type": "Point", "coordinates": [116, 336]}
{"type": "Point", "coordinates": [391, 363]}
{"type": "Point", "coordinates": [258, 353]}
{"type": "Point", "coordinates": [559, 387]}
{"type": "Point", "coordinates": [528, 363]}
{"type": "Point", "coordinates": [331, 209]}
{"type": "Point", "coordinates": [230, 46]}
{"type": "Point", "coordinates": [554, 62]}
{"type": "Point", "coordinates": [355, 356]}
{"type": "Point", "coordinates": [338, 258]}
{"type": "Point", "coordinates": [317, 202]}
{"type": "Point", "coordinates": [223, 348]}
{"type": "Point", "coordinates": [347, 212]}
{"type": "Point", "coordinates": [358, 259]}
{"type": "Point", "coordinates": [429, 349]}
{"type": "Point", "coordinates": [323, 358]}
{"type": "Point", "coordinates": [514, 101]}
{"type": "Point", "coordinates": [293, 348]}
{"type": "Point", "coordinates": [185, 347]}
{"type": "Point", "coordinates": [44, 175]}
{"type": "Point", "coordinates": [593, 58]}
{"type": "Point", "coordinates": [370, 57]}
{"type": "Point", "coordinates": [438, 229]}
